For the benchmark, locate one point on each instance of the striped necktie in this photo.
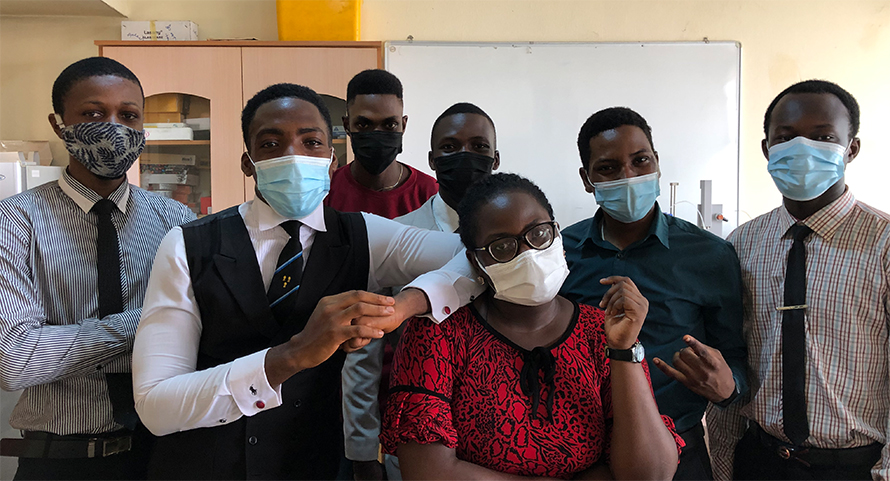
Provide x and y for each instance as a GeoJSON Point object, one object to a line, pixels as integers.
{"type": "Point", "coordinates": [282, 293]}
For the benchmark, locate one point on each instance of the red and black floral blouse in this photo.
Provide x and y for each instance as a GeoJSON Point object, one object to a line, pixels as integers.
{"type": "Point", "coordinates": [545, 412]}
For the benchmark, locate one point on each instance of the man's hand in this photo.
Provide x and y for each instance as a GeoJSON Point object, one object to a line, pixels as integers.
{"type": "Point", "coordinates": [408, 303]}
{"type": "Point", "coordinates": [702, 369]}
{"type": "Point", "coordinates": [329, 326]}
{"type": "Point", "coordinates": [625, 310]}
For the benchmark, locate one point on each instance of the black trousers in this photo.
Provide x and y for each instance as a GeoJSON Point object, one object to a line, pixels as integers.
{"type": "Point", "coordinates": [695, 464]}
{"type": "Point", "coordinates": [129, 465]}
{"type": "Point", "coordinates": [761, 456]}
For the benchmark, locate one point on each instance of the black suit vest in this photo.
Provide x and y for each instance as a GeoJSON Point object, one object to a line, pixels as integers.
{"type": "Point", "coordinates": [302, 438]}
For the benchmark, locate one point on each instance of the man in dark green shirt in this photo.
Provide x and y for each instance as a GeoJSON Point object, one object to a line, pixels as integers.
{"type": "Point", "coordinates": [690, 277]}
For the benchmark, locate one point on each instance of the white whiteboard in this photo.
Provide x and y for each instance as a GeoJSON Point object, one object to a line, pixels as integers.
{"type": "Point", "coordinates": [539, 95]}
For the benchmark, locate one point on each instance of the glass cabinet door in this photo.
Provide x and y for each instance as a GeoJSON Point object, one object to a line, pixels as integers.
{"type": "Point", "coordinates": [176, 161]}
{"type": "Point", "coordinates": [337, 107]}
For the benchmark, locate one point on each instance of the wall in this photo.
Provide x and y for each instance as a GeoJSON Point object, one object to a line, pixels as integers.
{"type": "Point", "coordinates": [783, 41]}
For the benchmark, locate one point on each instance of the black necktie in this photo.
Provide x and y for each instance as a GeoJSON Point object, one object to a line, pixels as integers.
{"type": "Point", "coordinates": [111, 301]}
{"type": "Point", "coordinates": [109, 262]}
{"type": "Point", "coordinates": [794, 347]}
{"type": "Point", "coordinates": [282, 293]}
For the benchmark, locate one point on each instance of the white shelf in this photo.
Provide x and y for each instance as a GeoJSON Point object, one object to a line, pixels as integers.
{"type": "Point", "coordinates": [64, 8]}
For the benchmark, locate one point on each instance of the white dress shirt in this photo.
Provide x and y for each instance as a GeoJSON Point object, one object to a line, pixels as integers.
{"type": "Point", "coordinates": [172, 396]}
{"type": "Point", "coordinates": [434, 214]}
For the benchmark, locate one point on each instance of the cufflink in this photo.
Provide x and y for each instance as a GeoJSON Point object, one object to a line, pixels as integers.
{"type": "Point", "coordinates": [446, 310]}
{"type": "Point", "coordinates": [260, 404]}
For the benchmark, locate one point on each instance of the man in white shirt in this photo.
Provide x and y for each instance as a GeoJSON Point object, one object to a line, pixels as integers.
{"type": "Point", "coordinates": [463, 149]}
{"type": "Point", "coordinates": [229, 331]}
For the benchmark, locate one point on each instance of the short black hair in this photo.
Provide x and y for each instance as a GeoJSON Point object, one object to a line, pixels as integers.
{"type": "Point", "coordinates": [483, 191]}
{"type": "Point", "coordinates": [608, 119]}
{"type": "Point", "coordinates": [373, 82]}
{"type": "Point", "coordinates": [818, 87]}
{"type": "Point", "coordinates": [84, 69]}
{"type": "Point", "coordinates": [461, 108]}
{"type": "Point", "coordinates": [280, 91]}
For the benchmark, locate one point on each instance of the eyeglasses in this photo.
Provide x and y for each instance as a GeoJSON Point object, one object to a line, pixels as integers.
{"type": "Point", "coordinates": [505, 249]}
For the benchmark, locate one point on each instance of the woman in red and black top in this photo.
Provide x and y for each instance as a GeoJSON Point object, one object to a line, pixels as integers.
{"type": "Point", "coordinates": [518, 382]}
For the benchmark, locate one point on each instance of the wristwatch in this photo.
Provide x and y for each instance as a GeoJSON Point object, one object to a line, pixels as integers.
{"type": "Point", "coordinates": [634, 354]}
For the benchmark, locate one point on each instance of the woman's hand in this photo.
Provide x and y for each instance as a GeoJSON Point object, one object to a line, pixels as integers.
{"type": "Point", "coordinates": [625, 310]}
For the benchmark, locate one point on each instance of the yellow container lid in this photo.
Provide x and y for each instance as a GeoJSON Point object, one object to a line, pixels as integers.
{"type": "Point", "coordinates": [319, 19]}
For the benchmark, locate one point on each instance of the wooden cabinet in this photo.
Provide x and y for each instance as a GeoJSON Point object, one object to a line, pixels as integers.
{"type": "Point", "coordinates": [229, 74]}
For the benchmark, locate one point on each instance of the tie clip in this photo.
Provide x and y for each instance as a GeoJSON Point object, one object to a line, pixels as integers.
{"type": "Point", "coordinates": [791, 308]}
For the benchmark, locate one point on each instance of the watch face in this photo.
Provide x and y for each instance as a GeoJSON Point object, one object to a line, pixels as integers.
{"type": "Point", "coordinates": [638, 352]}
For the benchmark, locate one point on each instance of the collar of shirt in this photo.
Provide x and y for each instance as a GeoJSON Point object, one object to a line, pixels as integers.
{"type": "Point", "coordinates": [86, 198]}
{"type": "Point", "coordinates": [659, 229]}
{"type": "Point", "coordinates": [263, 217]}
{"type": "Point", "coordinates": [445, 217]}
{"type": "Point", "coordinates": [826, 221]}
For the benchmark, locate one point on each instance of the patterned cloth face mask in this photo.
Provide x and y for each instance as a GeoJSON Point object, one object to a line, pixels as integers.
{"type": "Point", "coordinates": [104, 148]}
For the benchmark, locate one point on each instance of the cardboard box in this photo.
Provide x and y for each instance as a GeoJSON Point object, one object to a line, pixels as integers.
{"type": "Point", "coordinates": [185, 179]}
{"type": "Point", "coordinates": [169, 133]}
{"type": "Point", "coordinates": [164, 169]}
{"type": "Point", "coordinates": [36, 151]}
{"type": "Point", "coordinates": [163, 117]}
{"type": "Point", "coordinates": [168, 103]}
{"type": "Point", "coordinates": [170, 159]}
{"type": "Point", "coordinates": [159, 30]}
{"type": "Point", "coordinates": [199, 107]}
{"type": "Point", "coordinates": [206, 208]}
{"type": "Point", "coordinates": [198, 123]}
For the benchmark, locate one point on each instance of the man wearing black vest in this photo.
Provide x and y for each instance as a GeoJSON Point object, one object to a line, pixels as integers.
{"type": "Point", "coordinates": [237, 358]}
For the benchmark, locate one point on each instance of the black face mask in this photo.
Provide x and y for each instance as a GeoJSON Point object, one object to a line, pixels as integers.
{"type": "Point", "coordinates": [456, 172]}
{"type": "Point", "coordinates": [377, 149]}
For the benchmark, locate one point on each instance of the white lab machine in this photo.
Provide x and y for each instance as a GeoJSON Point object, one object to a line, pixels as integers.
{"type": "Point", "coordinates": [17, 176]}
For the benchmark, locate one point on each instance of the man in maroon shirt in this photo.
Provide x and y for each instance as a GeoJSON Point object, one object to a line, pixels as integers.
{"type": "Point", "coordinates": [376, 182]}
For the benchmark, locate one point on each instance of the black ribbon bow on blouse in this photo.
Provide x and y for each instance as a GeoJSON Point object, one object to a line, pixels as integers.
{"type": "Point", "coordinates": [538, 360]}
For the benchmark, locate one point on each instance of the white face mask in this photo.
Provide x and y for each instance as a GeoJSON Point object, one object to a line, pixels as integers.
{"type": "Point", "coordinates": [531, 278]}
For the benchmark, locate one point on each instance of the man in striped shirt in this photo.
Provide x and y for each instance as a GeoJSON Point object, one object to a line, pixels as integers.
{"type": "Point", "coordinates": [830, 421]}
{"type": "Point", "coordinates": [56, 342]}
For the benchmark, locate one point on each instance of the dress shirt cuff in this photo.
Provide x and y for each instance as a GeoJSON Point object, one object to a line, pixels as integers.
{"type": "Point", "coordinates": [362, 449]}
{"type": "Point", "coordinates": [447, 292]}
{"type": "Point", "coordinates": [249, 387]}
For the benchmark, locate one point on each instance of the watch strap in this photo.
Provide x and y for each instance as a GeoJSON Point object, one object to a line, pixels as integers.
{"type": "Point", "coordinates": [732, 397]}
{"type": "Point", "coordinates": [626, 355]}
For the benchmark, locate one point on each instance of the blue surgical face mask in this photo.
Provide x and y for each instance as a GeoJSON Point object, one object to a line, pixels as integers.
{"type": "Point", "coordinates": [804, 169]}
{"type": "Point", "coordinates": [628, 200]}
{"type": "Point", "coordinates": [293, 185]}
